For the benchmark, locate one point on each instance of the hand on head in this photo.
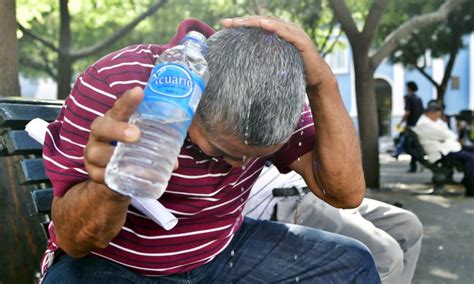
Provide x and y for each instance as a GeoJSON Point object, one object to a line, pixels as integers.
{"type": "Point", "coordinates": [290, 32]}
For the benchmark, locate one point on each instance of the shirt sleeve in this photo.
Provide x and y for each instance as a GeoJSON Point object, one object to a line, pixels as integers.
{"type": "Point", "coordinates": [300, 143]}
{"type": "Point", "coordinates": [67, 136]}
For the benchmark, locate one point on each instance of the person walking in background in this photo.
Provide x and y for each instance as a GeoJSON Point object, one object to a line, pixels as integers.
{"type": "Point", "coordinates": [439, 142]}
{"type": "Point", "coordinates": [413, 111]}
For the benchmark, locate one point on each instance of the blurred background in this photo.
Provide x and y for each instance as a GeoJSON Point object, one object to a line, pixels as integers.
{"type": "Point", "coordinates": [373, 47]}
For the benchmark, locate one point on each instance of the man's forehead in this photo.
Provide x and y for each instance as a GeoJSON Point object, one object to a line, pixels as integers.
{"type": "Point", "coordinates": [233, 148]}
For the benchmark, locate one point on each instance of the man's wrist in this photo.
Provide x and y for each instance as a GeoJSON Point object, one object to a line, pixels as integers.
{"type": "Point", "coordinates": [108, 194]}
{"type": "Point", "coordinates": [328, 83]}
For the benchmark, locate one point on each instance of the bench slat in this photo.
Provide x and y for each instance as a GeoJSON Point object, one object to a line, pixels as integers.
{"type": "Point", "coordinates": [17, 115]}
{"type": "Point", "coordinates": [18, 142]}
{"type": "Point", "coordinates": [30, 171]}
{"type": "Point", "coordinates": [43, 199]}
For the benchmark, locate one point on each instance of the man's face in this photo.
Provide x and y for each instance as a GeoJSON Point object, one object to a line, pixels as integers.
{"type": "Point", "coordinates": [435, 115]}
{"type": "Point", "coordinates": [228, 148]}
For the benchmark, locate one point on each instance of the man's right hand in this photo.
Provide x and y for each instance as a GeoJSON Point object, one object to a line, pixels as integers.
{"type": "Point", "coordinates": [89, 215]}
{"type": "Point", "coordinates": [113, 126]}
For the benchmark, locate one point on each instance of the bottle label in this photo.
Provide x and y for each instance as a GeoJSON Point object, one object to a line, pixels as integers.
{"type": "Point", "coordinates": [174, 83]}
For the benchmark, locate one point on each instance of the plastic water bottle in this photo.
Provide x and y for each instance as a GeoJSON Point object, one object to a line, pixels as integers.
{"type": "Point", "coordinates": [143, 169]}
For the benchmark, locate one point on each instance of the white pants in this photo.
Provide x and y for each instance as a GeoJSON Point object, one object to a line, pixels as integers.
{"type": "Point", "coordinates": [392, 234]}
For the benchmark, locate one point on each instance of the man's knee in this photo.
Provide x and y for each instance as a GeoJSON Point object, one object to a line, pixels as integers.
{"type": "Point", "coordinates": [413, 229]}
{"type": "Point", "coordinates": [358, 252]}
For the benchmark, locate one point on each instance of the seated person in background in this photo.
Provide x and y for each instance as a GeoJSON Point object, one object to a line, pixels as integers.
{"type": "Point", "coordinates": [439, 142]}
{"type": "Point", "coordinates": [262, 70]}
{"type": "Point", "coordinates": [466, 129]}
{"type": "Point", "coordinates": [392, 234]}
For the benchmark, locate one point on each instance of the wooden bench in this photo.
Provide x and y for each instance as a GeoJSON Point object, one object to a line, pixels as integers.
{"type": "Point", "coordinates": [21, 158]}
{"type": "Point", "coordinates": [442, 170]}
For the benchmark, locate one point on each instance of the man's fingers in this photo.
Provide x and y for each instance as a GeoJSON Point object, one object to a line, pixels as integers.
{"type": "Point", "coordinates": [96, 174]}
{"type": "Point", "coordinates": [98, 154]}
{"type": "Point", "coordinates": [107, 129]}
{"type": "Point", "coordinates": [126, 105]}
{"type": "Point", "coordinates": [288, 31]}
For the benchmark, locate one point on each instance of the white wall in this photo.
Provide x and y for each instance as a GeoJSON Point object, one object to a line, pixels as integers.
{"type": "Point", "coordinates": [44, 88]}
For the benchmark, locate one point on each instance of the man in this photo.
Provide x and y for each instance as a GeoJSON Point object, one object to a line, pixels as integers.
{"type": "Point", "coordinates": [439, 142]}
{"type": "Point", "coordinates": [259, 78]}
{"type": "Point", "coordinates": [392, 234]}
{"type": "Point", "coordinates": [413, 111]}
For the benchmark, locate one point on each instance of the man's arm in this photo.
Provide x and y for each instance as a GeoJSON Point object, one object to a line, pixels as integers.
{"type": "Point", "coordinates": [333, 171]}
{"type": "Point", "coordinates": [89, 215]}
{"type": "Point", "coordinates": [407, 111]}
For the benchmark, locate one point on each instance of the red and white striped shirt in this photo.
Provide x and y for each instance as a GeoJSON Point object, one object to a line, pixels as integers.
{"type": "Point", "coordinates": [206, 195]}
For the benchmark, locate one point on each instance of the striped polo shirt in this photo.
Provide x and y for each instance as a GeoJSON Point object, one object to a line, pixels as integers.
{"type": "Point", "coordinates": [206, 194]}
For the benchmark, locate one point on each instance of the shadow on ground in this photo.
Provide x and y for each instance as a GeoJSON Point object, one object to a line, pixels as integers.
{"type": "Point", "coordinates": [447, 254]}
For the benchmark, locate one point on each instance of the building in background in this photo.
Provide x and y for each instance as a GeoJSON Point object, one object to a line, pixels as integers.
{"type": "Point", "coordinates": [390, 82]}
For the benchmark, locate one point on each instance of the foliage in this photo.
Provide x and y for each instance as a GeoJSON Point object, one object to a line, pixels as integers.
{"type": "Point", "coordinates": [438, 39]}
{"type": "Point", "coordinates": [92, 21]}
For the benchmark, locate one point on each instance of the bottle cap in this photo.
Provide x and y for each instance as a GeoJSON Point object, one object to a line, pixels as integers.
{"type": "Point", "coordinates": [196, 35]}
{"type": "Point", "coordinates": [198, 38]}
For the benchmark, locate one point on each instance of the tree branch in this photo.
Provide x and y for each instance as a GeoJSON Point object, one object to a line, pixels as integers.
{"type": "Point", "coordinates": [38, 66]}
{"type": "Point", "coordinates": [390, 42]}
{"type": "Point", "coordinates": [328, 36]}
{"type": "Point", "coordinates": [426, 75]}
{"type": "Point", "coordinates": [421, 46]}
{"type": "Point", "coordinates": [256, 7]}
{"type": "Point", "coordinates": [38, 38]}
{"type": "Point", "coordinates": [333, 44]}
{"type": "Point", "coordinates": [47, 66]}
{"type": "Point", "coordinates": [373, 19]}
{"type": "Point", "coordinates": [120, 33]}
{"type": "Point", "coordinates": [449, 67]}
{"type": "Point", "coordinates": [342, 13]}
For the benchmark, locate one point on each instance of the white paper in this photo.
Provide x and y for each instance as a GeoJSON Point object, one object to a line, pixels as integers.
{"type": "Point", "coordinates": [36, 128]}
{"type": "Point", "coordinates": [156, 211]}
{"type": "Point", "coordinates": [153, 209]}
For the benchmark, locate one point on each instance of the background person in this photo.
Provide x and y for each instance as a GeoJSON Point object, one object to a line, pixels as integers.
{"type": "Point", "coordinates": [439, 142]}
{"type": "Point", "coordinates": [413, 111]}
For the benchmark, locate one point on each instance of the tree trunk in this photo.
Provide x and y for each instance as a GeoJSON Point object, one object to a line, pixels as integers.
{"type": "Point", "coordinates": [64, 76]}
{"type": "Point", "coordinates": [449, 68]}
{"type": "Point", "coordinates": [64, 58]}
{"type": "Point", "coordinates": [367, 118]}
{"type": "Point", "coordinates": [9, 82]}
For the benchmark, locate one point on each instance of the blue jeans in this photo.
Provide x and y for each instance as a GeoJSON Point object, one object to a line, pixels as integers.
{"type": "Point", "coordinates": [261, 252]}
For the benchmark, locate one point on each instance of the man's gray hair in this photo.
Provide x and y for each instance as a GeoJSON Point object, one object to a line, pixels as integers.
{"type": "Point", "coordinates": [256, 88]}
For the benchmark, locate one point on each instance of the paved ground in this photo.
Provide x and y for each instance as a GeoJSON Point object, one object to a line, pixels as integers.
{"type": "Point", "coordinates": [447, 254]}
